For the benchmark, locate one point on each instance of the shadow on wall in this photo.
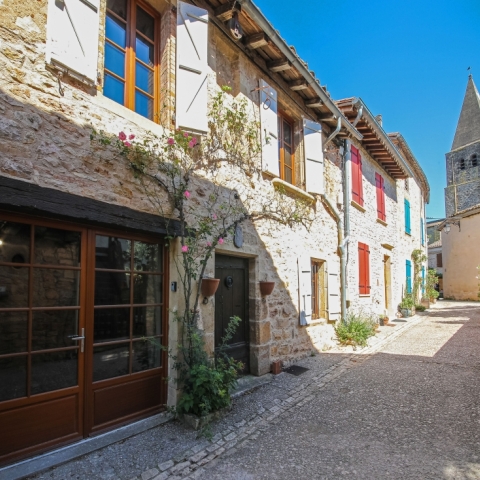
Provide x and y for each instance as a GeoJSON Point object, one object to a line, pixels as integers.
{"type": "Point", "coordinates": [46, 141]}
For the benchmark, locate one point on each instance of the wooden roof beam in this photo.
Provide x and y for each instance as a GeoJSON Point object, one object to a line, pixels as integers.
{"type": "Point", "coordinates": [313, 103]}
{"type": "Point", "coordinates": [279, 65]}
{"type": "Point", "coordinates": [256, 40]}
{"type": "Point", "coordinates": [299, 84]}
{"type": "Point", "coordinates": [224, 12]}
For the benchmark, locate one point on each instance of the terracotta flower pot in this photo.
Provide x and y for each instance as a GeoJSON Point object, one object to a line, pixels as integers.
{"type": "Point", "coordinates": [209, 286]}
{"type": "Point", "coordinates": [266, 288]}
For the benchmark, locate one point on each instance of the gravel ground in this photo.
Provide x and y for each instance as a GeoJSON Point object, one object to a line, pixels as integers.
{"type": "Point", "coordinates": [407, 407]}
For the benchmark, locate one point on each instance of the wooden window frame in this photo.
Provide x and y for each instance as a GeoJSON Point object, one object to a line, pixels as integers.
{"type": "Point", "coordinates": [364, 286]}
{"type": "Point", "coordinates": [380, 187]}
{"type": "Point", "coordinates": [282, 118]}
{"type": "Point", "coordinates": [316, 269]}
{"type": "Point", "coordinates": [357, 176]}
{"type": "Point", "coordinates": [130, 56]}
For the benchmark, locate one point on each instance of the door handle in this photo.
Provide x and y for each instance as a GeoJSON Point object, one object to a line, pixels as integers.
{"type": "Point", "coordinates": [77, 338]}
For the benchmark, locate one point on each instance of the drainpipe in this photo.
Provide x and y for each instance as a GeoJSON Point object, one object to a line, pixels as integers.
{"type": "Point", "coordinates": [346, 214]}
{"type": "Point", "coordinates": [341, 245]}
{"type": "Point", "coordinates": [335, 132]}
{"type": "Point", "coordinates": [359, 116]}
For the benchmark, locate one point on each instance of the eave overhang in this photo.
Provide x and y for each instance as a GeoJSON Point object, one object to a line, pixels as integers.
{"type": "Point", "coordinates": [375, 140]}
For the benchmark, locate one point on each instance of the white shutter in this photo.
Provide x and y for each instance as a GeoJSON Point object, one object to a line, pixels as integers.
{"type": "Point", "coordinates": [192, 68]}
{"type": "Point", "coordinates": [312, 140]}
{"type": "Point", "coordinates": [333, 285]}
{"type": "Point", "coordinates": [72, 37]}
{"type": "Point", "coordinates": [305, 289]}
{"type": "Point", "coordinates": [269, 128]}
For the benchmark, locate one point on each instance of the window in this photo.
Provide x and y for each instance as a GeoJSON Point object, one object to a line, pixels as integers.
{"type": "Point", "coordinates": [474, 160]}
{"type": "Point", "coordinates": [439, 260]}
{"type": "Point", "coordinates": [285, 149]}
{"type": "Point", "coordinates": [363, 269]}
{"type": "Point", "coordinates": [357, 177]}
{"type": "Point", "coordinates": [131, 66]}
{"type": "Point", "coordinates": [379, 182]}
{"type": "Point", "coordinates": [409, 276]}
{"type": "Point", "coordinates": [461, 164]}
{"type": "Point", "coordinates": [407, 217]}
{"type": "Point", "coordinates": [319, 303]}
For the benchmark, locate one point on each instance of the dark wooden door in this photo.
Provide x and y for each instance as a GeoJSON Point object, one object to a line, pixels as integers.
{"type": "Point", "coordinates": [231, 299]}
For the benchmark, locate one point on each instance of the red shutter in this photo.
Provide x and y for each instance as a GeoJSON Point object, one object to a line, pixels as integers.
{"type": "Point", "coordinates": [379, 183]}
{"type": "Point", "coordinates": [360, 179]}
{"type": "Point", "coordinates": [363, 269]}
{"type": "Point", "coordinates": [355, 192]}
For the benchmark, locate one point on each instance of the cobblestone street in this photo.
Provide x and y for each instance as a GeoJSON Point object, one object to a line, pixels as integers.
{"type": "Point", "coordinates": [406, 407]}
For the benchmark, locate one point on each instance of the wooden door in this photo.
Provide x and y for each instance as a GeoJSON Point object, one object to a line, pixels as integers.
{"type": "Point", "coordinates": [387, 281]}
{"type": "Point", "coordinates": [42, 321]}
{"type": "Point", "coordinates": [126, 328]}
{"type": "Point", "coordinates": [231, 299]}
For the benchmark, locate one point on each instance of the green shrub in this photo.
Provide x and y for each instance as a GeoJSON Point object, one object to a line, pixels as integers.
{"type": "Point", "coordinates": [407, 302]}
{"type": "Point", "coordinates": [420, 308]}
{"type": "Point", "coordinates": [356, 329]}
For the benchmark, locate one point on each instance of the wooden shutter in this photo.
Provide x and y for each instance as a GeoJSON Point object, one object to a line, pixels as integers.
{"type": "Point", "coordinates": [305, 289]}
{"type": "Point", "coordinates": [357, 179]}
{"type": "Point", "coordinates": [423, 280]}
{"type": "Point", "coordinates": [312, 138]}
{"type": "Point", "coordinates": [380, 187]}
{"type": "Point", "coordinates": [363, 269]}
{"type": "Point", "coordinates": [422, 232]}
{"type": "Point", "coordinates": [73, 36]}
{"type": "Point", "coordinates": [192, 68]}
{"type": "Point", "coordinates": [409, 276]}
{"type": "Point", "coordinates": [333, 286]}
{"type": "Point", "coordinates": [269, 128]}
{"type": "Point", "coordinates": [439, 260]}
{"type": "Point", "coordinates": [407, 217]}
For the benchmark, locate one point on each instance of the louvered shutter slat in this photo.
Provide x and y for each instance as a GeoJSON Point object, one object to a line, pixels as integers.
{"type": "Point", "coordinates": [367, 270]}
{"type": "Point", "coordinates": [269, 128]}
{"type": "Point", "coordinates": [192, 68]}
{"type": "Point", "coordinates": [72, 37]}
{"type": "Point", "coordinates": [360, 179]}
{"type": "Point", "coordinates": [312, 135]}
{"type": "Point", "coordinates": [361, 268]}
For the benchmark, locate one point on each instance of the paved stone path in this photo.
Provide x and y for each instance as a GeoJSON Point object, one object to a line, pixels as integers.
{"type": "Point", "coordinates": [406, 407]}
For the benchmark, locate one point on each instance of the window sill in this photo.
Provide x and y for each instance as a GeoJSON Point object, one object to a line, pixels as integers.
{"type": "Point", "coordinates": [409, 234]}
{"type": "Point", "coordinates": [358, 206]}
{"type": "Point", "coordinates": [364, 294]}
{"type": "Point", "coordinates": [278, 182]}
{"type": "Point", "coordinates": [127, 114]}
{"type": "Point", "coordinates": [382, 222]}
{"type": "Point", "coordinates": [388, 246]}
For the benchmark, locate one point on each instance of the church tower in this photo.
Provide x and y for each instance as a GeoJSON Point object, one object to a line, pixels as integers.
{"type": "Point", "coordinates": [463, 161]}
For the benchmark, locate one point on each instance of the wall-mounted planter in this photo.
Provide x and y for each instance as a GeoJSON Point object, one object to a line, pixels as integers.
{"type": "Point", "coordinates": [209, 286]}
{"type": "Point", "coordinates": [266, 288]}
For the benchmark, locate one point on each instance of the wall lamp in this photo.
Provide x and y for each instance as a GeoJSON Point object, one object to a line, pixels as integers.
{"type": "Point", "coordinates": [448, 225]}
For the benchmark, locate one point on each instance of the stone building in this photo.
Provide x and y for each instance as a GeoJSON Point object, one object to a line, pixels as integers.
{"type": "Point", "coordinates": [84, 272]}
{"type": "Point", "coordinates": [460, 231]}
{"type": "Point", "coordinates": [435, 257]}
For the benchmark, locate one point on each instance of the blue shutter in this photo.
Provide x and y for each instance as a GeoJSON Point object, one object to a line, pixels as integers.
{"type": "Point", "coordinates": [407, 217]}
{"type": "Point", "coordinates": [409, 276]}
{"type": "Point", "coordinates": [422, 232]}
{"type": "Point", "coordinates": [423, 280]}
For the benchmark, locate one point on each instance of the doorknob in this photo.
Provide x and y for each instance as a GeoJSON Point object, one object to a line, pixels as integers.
{"type": "Point", "coordinates": [80, 338]}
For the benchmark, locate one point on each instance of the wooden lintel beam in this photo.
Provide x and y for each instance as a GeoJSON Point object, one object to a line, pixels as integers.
{"type": "Point", "coordinates": [224, 12]}
{"type": "Point", "coordinates": [314, 102]}
{"type": "Point", "coordinates": [299, 84]}
{"type": "Point", "coordinates": [256, 40]}
{"type": "Point", "coordinates": [328, 118]}
{"type": "Point", "coordinates": [279, 65]}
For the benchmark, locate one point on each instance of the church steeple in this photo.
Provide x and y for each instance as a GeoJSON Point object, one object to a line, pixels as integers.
{"type": "Point", "coordinates": [468, 127]}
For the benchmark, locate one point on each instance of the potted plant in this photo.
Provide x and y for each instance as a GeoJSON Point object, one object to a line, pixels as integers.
{"type": "Point", "coordinates": [209, 286]}
{"type": "Point", "coordinates": [266, 288]}
{"type": "Point", "coordinates": [432, 281]}
{"type": "Point", "coordinates": [407, 305]}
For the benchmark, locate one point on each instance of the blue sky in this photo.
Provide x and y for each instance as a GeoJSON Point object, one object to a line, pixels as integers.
{"type": "Point", "coordinates": [406, 59]}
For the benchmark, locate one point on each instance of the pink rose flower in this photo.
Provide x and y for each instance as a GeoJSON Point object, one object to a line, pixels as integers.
{"type": "Point", "coordinates": [192, 142]}
{"type": "Point", "coordinates": [127, 144]}
{"type": "Point", "coordinates": [209, 244]}
{"type": "Point", "coordinates": [122, 136]}
{"type": "Point", "coordinates": [185, 134]}
{"type": "Point", "coordinates": [187, 194]}
{"type": "Point", "coordinates": [185, 249]}
{"type": "Point", "coordinates": [131, 136]}
{"type": "Point", "coordinates": [214, 217]}
{"type": "Point", "coordinates": [170, 141]}
{"type": "Point", "coordinates": [220, 241]}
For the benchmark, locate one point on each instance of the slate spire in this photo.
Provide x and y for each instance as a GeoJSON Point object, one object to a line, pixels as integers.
{"type": "Point", "coordinates": [468, 127]}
